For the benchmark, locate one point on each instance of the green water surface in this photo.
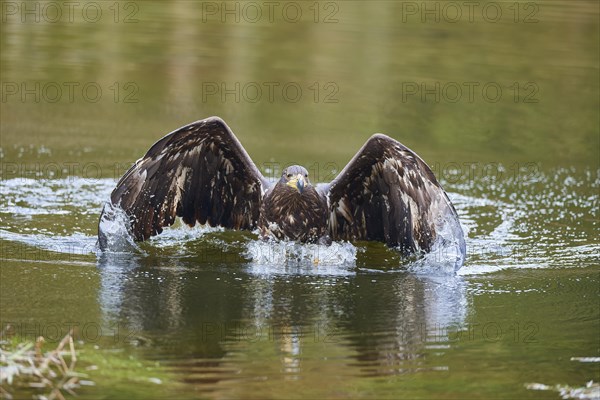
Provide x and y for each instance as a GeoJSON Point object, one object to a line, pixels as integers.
{"type": "Point", "coordinates": [504, 107]}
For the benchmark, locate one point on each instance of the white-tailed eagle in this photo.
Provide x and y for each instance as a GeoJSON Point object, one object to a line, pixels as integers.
{"type": "Point", "coordinates": [201, 173]}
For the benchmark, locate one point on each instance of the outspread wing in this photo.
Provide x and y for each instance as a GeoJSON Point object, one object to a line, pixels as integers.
{"type": "Point", "coordinates": [387, 193]}
{"type": "Point", "coordinates": [199, 172]}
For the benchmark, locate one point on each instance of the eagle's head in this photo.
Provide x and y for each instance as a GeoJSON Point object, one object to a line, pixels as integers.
{"type": "Point", "coordinates": [296, 177]}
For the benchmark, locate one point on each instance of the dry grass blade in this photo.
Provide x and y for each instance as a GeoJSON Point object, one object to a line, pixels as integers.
{"type": "Point", "coordinates": [26, 366]}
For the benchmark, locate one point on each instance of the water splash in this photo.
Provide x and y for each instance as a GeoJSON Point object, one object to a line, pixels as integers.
{"type": "Point", "coordinates": [114, 233]}
{"type": "Point", "coordinates": [30, 197]}
{"type": "Point", "coordinates": [291, 256]}
{"type": "Point", "coordinates": [448, 252]}
{"type": "Point", "coordinates": [548, 221]}
{"type": "Point", "coordinates": [180, 234]}
{"type": "Point", "coordinates": [75, 244]}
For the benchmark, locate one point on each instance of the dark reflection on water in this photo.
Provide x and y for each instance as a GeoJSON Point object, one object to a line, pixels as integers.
{"type": "Point", "coordinates": [203, 320]}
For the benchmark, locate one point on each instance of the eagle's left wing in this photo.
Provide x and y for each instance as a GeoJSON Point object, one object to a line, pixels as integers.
{"type": "Point", "coordinates": [199, 172]}
{"type": "Point", "coordinates": [387, 193]}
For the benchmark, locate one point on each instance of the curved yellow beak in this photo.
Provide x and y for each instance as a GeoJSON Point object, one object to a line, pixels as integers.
{"type": "Point", "coordinates": [297, 182]}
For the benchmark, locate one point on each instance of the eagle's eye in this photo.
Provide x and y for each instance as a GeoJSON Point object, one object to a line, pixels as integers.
{"type": "Point", "coordinates": [306, 175]}
{"type": "Point", "coordinates": [289, 175]}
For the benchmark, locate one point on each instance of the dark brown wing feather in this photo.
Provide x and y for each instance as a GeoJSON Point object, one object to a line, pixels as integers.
{"type": "Point", "coordinates": [387, 193]}
{"type": "Point", "coordinates": [199, 172]}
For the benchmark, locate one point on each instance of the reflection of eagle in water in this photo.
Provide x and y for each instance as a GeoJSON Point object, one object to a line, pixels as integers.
{"type": "Point", "coordinates": [202, 174]}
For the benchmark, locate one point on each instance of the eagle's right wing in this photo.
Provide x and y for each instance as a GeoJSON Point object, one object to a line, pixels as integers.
{"type": "Point", "coordinates": [199, 172]}
{"type": "Point", "coordinates": [387, 193]}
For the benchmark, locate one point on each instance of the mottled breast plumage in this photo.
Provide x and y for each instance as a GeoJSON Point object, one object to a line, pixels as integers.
{"type": "Point", "coordinates": [293, 209]}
